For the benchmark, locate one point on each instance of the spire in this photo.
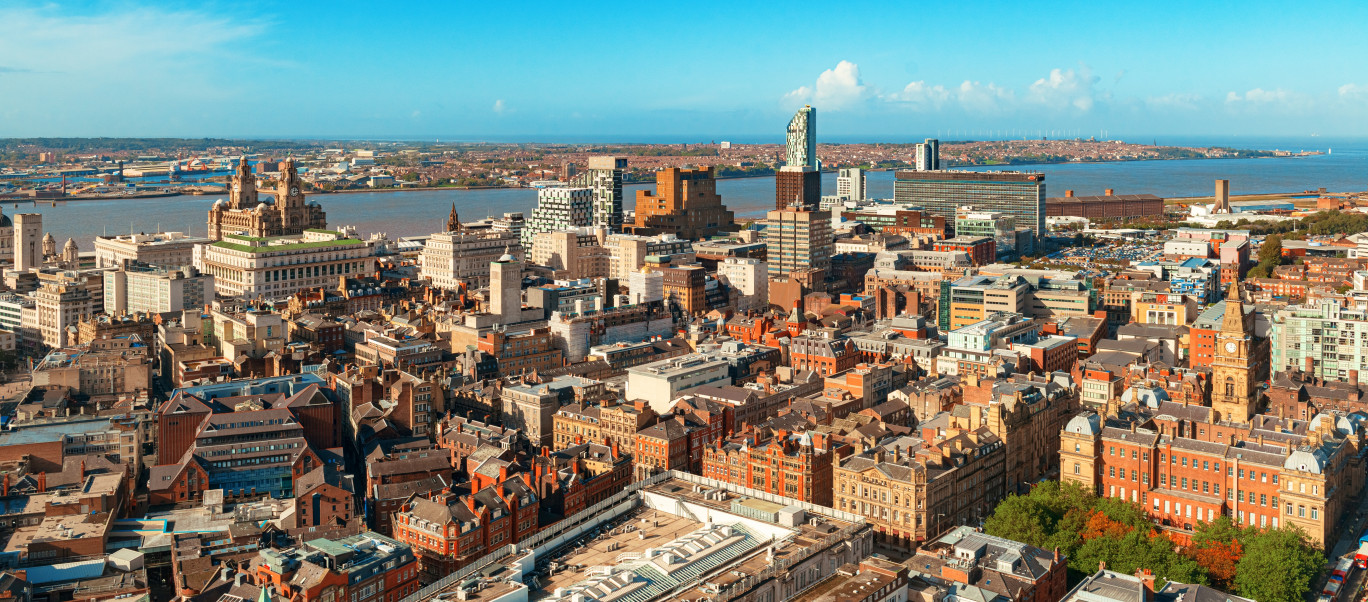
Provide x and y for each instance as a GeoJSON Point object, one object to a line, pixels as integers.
{"type": "Point", "coordinates": [453, 221]}
{"type": "Point", "coordinates": [1234, 319]}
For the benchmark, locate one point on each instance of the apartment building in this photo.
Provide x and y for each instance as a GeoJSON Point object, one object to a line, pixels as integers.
{"type": "Point", "coordinates": [140, 287]}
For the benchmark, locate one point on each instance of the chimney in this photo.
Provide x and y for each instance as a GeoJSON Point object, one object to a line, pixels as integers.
{"type": "Point", "coordinates": [470, 502]}
{"type": "Point", "coordinates": [1068, 193]}
{"type": "Point", "coordinates": [1146, 579]}
{"type": "Point", "coordinates": [1110, 192]}
{"type": "Point", "coordinates": [1310, 366]}
{"type": "Point", "coordinates": [42, 482]}
{"type": "Point", "coordinates": [503, 473]}
{"type": "Point", "coordinates": [1353, 377]}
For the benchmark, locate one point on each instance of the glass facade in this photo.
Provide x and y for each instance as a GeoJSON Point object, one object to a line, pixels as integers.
{"type": "Point", "coordinates": [1021, 195]}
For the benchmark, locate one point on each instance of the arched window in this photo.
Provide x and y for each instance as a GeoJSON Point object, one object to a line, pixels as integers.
{"type": "Point", "coordinates": [1230, 387]}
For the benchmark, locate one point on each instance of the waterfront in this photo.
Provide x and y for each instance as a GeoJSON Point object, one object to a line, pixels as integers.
{"type": "Point", "coordinates": [408, 213]}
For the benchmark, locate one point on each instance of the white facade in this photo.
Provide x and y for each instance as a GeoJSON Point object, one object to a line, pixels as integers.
{"type": "Point", "coordinates": [452, 258]}
{"type": "Point", "coordinates": [59, 307]}
{"type": "Point", "coordinates": [559, 209]}
{"type": "Point", "coordinates": [747, 276]}
{"type": "Point", "coordinates": [646, 287]}
{"type": "Point", "coordinates": [1187, 246]}
{"type": "Point", "coordinates": [850, 184]}
{"type": "Point", "coordinates": [277, 267]}
{"type": "Point", "coordinates": [28, 236]}
{"type": "Point", "coordinates": [628, 252]}
{"type": "Point", "coordinates": [156, 290]}
{"type": "Point", "coordinates": [659, 383]}
{"type": "Point", "coordinates": [168, 249]}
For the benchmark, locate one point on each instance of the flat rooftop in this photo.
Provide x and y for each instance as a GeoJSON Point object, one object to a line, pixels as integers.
{"type": "Point", "coordinates": [659, 528]}
{"type": "Point", "coordinates": [47, 433]}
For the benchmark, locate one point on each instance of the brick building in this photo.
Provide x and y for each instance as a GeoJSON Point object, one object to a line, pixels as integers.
{"type": "Point", "coordinates": [791, 464]}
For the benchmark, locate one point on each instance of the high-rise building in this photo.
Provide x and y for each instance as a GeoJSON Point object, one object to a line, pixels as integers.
{"type": "Point", "coordinates": [604, 177]}
{"type": "Point", "coordinates": [559, 209]}
{"type": "Point", "coordinates": [28, 236]}
{"type": "Point", "coordinates": [798, 240]}
{"type": "Point", "coordinates": [850, 184]}
{"type": "Point", "coordinates": [799, 181]}
{"type": "Point", "coordinates": [748, 276]}
{"type": "Point", "coordinates": [928, 155]}
{"type": "Point", "coordinates": [685, 203]}
{"type": "Point", "coordinates": [801, 147]}
{"type": "Point", "coordinates": [1019, 194]}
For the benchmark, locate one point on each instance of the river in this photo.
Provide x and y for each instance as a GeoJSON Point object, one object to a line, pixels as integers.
{"type": "Point", "coordinates": [417, 212]}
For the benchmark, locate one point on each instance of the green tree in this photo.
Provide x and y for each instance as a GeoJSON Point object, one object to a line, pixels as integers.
{"type": "Point", "coordinates": [1278, 566]}
{"type": "Point", "coordinates": [1270, 252]}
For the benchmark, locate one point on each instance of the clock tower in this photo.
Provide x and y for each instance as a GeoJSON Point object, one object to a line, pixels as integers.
{"type": "Point", "coordinates": [1234, 394]}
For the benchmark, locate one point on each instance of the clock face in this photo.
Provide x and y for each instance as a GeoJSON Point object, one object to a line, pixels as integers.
{"type": "Point", "coordinates": [294, 191]}
{"type": "Point", "coordinates": [1230, 347]}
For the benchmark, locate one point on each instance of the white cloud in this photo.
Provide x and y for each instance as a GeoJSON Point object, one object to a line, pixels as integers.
{"type": "Point", "coordinates": [837, 88]}
{"type": "Point", "coordinates": [980, 98]}
{"type": "Point", "coordinates": [1175, 100]}
{"type": "Point", "coordinates": [921, 96]}
{"type": "Point", "coordinates": [1063, 89]}
{"type": "Point", "coordinates": [1353, 92]}
{"type": "Point", "coordinates": [1275, 100]}
{"type": "Point", "coordinates": [499, 107]}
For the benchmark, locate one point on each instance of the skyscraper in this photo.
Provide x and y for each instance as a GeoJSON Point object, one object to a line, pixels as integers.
{"type": "Point", "coordinates": [1019, 194]}
{"type": "Point", "coordinates": [799, 181]}
{"type": "Point", "coordinates": [604, 177]}
{"type": "Point", "coordinates": [928, 155]}
{"type": "Point", "coordinates": [801, 150]}
{"type": "Point", "coordinates": [850, 184]}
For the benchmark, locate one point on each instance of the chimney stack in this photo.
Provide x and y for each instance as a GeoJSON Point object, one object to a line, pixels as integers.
{"type": "Point", "coordinates": [1068, 193]}
{"type": "Point", "coordinates": [1110, 192]}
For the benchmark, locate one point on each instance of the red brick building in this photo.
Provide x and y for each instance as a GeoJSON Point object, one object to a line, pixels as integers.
{"type": "Point", "coordinates": [795, 465]}
{"type": "Point", "coordinates": [449, 530]}
{"type": "Point", "coordinates": [982, 250]}
{"type": "Point", "coordinates": [821, 355]}
{"type": "Point", "coordinates": [662, 446]}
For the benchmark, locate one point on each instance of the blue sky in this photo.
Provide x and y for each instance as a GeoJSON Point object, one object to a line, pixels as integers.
{"type": "Point", "coordinates": [697, 70]}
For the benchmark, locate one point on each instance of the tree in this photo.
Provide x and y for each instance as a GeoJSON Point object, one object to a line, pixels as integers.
{"type": "Point", "coordinates": [1278, 565]}
{"type": "Point", "coordinates": [1270, 252]}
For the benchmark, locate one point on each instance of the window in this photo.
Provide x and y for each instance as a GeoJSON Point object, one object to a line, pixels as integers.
{"type": "Point", "coordinates": [1076, 469]}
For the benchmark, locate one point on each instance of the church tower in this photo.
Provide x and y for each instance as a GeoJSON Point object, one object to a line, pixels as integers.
{"type": "Point", "coordinates": [1234, 394]}
{"type": "Point", "coordinates": [454, 221]}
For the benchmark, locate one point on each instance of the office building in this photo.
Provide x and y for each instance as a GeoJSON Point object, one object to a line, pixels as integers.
{"type": "Point", "coordinates": [138, 287]}
{"type": "Point", "coordinates": [559, 209]}
{"type": "Point", "coordinates": [244, 213]}
{"type": "Point", "coordinates": [1019, 194]}
{"type": "Point", "coordinates": [248, 266]}
{"type": "Point", "coordinates": [928, 155]}
{"type": "Point", "coordinates": [685, 203]}
{"type": "Point", "coordinates": [850, 184]}
{"type": "Point", "coordinates": [799, 244]}
{"type": "Point", "coordinates": [604, 178]}
{"type": "Point", "coordinates": [628, 252]}
{"type": "Point", "coordinates": [571, 254]}
{"type": "Point", "coordinates": [796, 465]}
{"type": "Point", "coordinates": [749, 277]}
{"type": "Point", "coordinates": [59, 307]}
{"type": "Point", "coordinates": [166, 249]}
{"type": "Point", "coordinates": [1001, 227]}
{"type": "Point", "coordinates": [913, 488]}
{"type": "Point", "coordinates": [461, 256]}
{"type": "Point", "coordinates": [660, 383]}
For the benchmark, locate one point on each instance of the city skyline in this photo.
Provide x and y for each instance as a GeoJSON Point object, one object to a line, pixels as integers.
{"type": "Point", "coordinates": [259, 70]}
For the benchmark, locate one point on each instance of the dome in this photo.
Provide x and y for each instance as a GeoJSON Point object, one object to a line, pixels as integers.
{"type": "Point", "coordinates": [507, 258]}
{"type": "Point", "coordinates": [70, 244]}
{"type": "Point", "coordinates": [1085, 424]}
{"type": "Point", "coordinates": [48, 238]}
{"type": "Point", "coordinates": [5, 221]}
{"type": "Point", "coordinates": [1306, 460]}
{"type": "Point", "coordinates": [219, 204]}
